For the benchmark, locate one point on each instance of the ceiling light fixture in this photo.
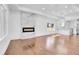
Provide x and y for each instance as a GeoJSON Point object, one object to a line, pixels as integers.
{"type": "Point", "coordinates": [66, 6]}
{"type": "Point", "coordinates": [70, 10]}
{"type": "Point", "coordinates": [43, 8]}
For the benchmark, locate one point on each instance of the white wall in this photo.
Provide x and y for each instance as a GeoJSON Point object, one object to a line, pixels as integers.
{"type": "Point", "coordinates": [5, 40]}
{"type": "Point", "coordinates": [39, 21]}
{"type": "Point", "coordinates": [4, 45]}
{"type": "Point", "coordinates": [3, 22]}
{"type": "Point", "coordinates": [14, 24]}
{"type": "Point", "coordinates": [1, 18]}
{"type": "Point", "coordinates": [27, 19]}
{"type": "Point", "coordinates": [41, 25]}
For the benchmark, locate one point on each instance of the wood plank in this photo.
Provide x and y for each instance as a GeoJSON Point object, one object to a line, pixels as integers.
{"type": "Point", "coordinates": [61, 44]}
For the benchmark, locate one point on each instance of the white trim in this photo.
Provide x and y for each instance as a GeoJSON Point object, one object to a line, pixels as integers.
{"type": "Point", "coordinates": [36, 12]}
{"type": "Point", "coordinates": [6, 20]}
{"type": "Point", "coordinates": [3, 37]}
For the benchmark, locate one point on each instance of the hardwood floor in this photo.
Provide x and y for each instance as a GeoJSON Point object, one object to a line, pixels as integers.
{"type": "Point", "coordinates": [45, 45]}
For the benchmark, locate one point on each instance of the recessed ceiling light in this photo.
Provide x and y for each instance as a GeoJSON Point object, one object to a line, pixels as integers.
{"type": "Point", "coordinates": [62, 24]}
{"type": "Point", "coordinates": [43, 8]}
{"type": "Point", "coordinates": [66, 6]}
{"type": "Point", "coordinates": [71, 11]}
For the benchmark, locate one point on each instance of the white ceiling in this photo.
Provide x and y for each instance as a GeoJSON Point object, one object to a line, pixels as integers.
{"type": "Point", "coordinates": [61, 10]}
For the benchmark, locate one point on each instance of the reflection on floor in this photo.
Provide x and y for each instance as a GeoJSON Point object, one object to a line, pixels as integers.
{"type": "Point", "coordinates": [45, 45]}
